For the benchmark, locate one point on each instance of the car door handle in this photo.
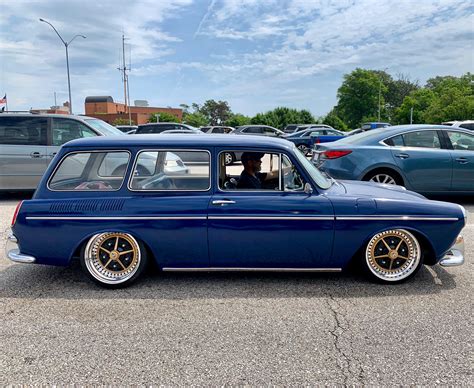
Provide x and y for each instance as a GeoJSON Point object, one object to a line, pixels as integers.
{"type": "Point", "coordinates": [462, 160]}
{"type": "Point", "coordinates": [35, 155]}
{"type": "Point", "coordinates": [402, 156]}
{"type": "Point", "coordinates": [223, 202]}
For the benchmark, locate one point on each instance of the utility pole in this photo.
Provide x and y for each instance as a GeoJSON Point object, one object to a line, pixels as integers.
{"type": "Point", "coordinates": [126, 91]}
{"type": "Point", "coordinates": [411, 115]}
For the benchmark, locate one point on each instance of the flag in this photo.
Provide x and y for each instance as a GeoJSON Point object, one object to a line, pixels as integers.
{"type": "Point", "coordinates": [3, 100]}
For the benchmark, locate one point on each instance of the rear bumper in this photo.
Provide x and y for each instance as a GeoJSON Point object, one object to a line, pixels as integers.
{"type": "Point", "coordinates": [455, 255]}
{"type": "Point", "coordinates": [13, 252]}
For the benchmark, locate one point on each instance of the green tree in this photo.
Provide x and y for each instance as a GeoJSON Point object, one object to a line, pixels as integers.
{"type": "Point", "coordinates": [282, 116]}
{"type": "Point", "coordinates": [196, 119]}
{"type": "Point", "coordinates": [237, 120]}
{"type": "Point", "coordinates": [335, 121]}
{"type": "Point", "coordinates": [163, 117]}
{"type": "Point", "coordinates": [358, 96]}
{"type": "Point", "coordinates": [420, 100]}
{"type": "Point", "coordinates": [217, 112]}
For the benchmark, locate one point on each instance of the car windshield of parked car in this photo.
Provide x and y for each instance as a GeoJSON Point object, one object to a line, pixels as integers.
{"type": "Point", "coordinates": [103, 127]}
{"type": "Point", "coordinates": [316, 175]}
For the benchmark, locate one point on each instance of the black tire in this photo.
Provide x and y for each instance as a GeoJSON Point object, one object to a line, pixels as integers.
{"type": "Point", "coordinates": [386, 176]}
{"type": "Point", "coordinates": [392, 256]}
{"type": "Point", "coordinates": [110, 265]}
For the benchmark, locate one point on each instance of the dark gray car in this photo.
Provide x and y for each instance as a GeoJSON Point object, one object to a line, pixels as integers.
{"type": "Point", "coordinates": [28, 143]}
{"type": "Point", "coordinates": [259, 130]}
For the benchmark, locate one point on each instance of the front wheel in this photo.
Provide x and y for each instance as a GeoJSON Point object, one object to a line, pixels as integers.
{"type": "Point", "coordinates": [113, 259]}
{"type": "Point", "coordinates": [393, 256]}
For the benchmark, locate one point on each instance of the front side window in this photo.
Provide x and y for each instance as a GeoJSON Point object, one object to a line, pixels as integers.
{"type": "Point", "coordinates": [90, 171]}
{"type": "Point", "coordinates": [422, 139]}
{"type": "Point", "coordinates": [65, 130]}
{"type": "Point", "coordinates": [253, 130]}
{"type": "Point", "coordinates": [461, 141]}
{"type": "Point", "coordinates": [259, 171]}
{"type": "Point", "coordinates": [171, 170]}
{"type": "Point", "coordinates": [23, 130]}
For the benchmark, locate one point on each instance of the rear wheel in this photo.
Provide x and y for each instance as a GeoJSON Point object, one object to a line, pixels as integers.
{"type": "Point", "coordinates": [229, 158]}
{"type": "Point", "coordinates": [304, 149]}
{"type": "Point", "coordinates": [388, 177]}
{"type": "Point", "coordinates": [113, 259]}
{"type": "Point", "coordinates": [393, 256]}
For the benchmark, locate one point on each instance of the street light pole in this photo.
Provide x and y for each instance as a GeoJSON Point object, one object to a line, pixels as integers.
{"type": "Point", "coordinates": [66, 45]}
{"type": "Point", "coordinates": [380, 92]}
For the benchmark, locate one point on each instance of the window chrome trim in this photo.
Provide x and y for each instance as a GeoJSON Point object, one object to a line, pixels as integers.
{"type": "Point", "coordinates": [135, 162]}
{"type": "Point", "coordinates": [394, 218]}
{"type": "Point", "coordinates": [415, 130]}
{"type": "Point", "coordinates": [89, 190]}
{"type": "Point", "coordinates": [116, 218]}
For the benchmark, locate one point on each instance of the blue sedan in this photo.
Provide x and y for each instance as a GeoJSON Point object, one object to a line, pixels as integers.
{"type": "Point", "coordinates": [305, 139]}
{"type": "Point", "coordinates": [424, 158]}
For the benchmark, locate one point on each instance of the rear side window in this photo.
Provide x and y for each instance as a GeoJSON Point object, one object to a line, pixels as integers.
{"type": "Point", "coordinates": [422, 139]}
{"type": "Point", "coordinates": [23, 130]}
{"type": "Point", "coordinates": [171, 170]}
{"type": "Point", "coordinates": [396, 141]}
{"type": "Point", "coordinates": [153, 128]}
{"type": "Point", "coordinates": [65, 130]}
{"type": "Point", "coordinates": [90, 171]}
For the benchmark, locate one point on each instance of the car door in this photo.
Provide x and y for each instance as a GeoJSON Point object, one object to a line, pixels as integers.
{"type": "Point", "coordinates": [22, 151]}
{"type": "Point", "coordinates": [426, 165]}
{"type": "Point", "coordinates": [463, 160]}
{"type": "Point", "coordinates": [64, 130]}
{"type": "Point", "coordinates": [280, 228]}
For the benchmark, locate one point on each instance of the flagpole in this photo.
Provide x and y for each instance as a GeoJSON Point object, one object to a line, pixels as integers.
{"type": "Point", "coordinates": [6, 102]}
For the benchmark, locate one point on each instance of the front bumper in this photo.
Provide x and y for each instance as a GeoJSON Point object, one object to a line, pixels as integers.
{"type": "Point", "coordinates": [13, 252]}
{"type": "Point", "coordinates": [455, 255]}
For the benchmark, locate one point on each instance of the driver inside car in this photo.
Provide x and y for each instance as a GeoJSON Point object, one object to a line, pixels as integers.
{"type": "Point", "coordinates": [251, 176]}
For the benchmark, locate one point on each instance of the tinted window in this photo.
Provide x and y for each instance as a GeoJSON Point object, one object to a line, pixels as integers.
{"type": "Point", "coordinates": [467, 126]}
{"type": "Point", "coordinates": [269, 131]}
{"type": "Point", "coordinates": [23, 130]}
{"type": "Point", "coordinates": [422, 139]}
{"type": "Point", "coordinates": [253, 130]}
{"type": "Point", "coordinates": [65, 130]}
{"type": "Point", "coordinates": [396, 141]}
{"type": "Point", "coordinates": [90, 171]}
{"type": "Point", "coordinates": [172, 170]}
{"type": "Point", "coordinates": [153, 129]}
{"type": "Point", "coordinates": [218, 130]}
{"type": "Point", "coordinates": [461, 141]}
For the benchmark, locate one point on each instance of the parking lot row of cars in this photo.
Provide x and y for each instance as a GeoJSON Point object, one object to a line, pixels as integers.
{"type": "Point", "coordinates": [427, 159]}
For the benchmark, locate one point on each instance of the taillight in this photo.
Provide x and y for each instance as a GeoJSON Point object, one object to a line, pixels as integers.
{"type": "Point", "coordinates": [16, 212]}
{"type": "Point", "coordinates": [333, 154]}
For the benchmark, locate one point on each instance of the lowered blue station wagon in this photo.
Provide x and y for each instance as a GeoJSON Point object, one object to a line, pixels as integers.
{"type": "Point", "coordinates": [118, 203]}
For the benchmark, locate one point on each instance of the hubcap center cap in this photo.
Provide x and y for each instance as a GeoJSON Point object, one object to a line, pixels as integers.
{"type": "Point", "coordinates": [114, 255]}
{"type": "Point", "coordinates": [393, 254]}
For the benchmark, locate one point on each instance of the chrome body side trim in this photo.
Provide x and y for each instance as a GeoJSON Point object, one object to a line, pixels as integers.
{"type": "Point", "coordinates": [455, 256]}
{"type": "Point", "coordinates": [395, 218]}
{"type": "Point", "coordinates": [291, 218]}
{"type": "Point", "coordinates": [246, 269]}
{"type": "Point", "coordinates": [120, 218]}
{"type": "Point", "coordinates": [13, 252]}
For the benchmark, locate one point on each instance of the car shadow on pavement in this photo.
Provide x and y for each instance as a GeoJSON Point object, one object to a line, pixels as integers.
{"type": "Point", "coordinates": [45, 282]}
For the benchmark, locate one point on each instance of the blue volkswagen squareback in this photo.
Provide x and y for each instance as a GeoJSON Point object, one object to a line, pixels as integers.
{"type": "Point", "coordinates": [118, 203]}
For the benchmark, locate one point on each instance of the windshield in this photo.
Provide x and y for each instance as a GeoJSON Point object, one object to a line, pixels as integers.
{"type": "Point", "coordinates": [104, 128]}
{"type": "Point", "coordinates": [316, 175]}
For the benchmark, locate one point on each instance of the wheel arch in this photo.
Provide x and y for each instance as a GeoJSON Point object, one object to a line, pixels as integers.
{"type": "Point", "coordinates": [383, 167]}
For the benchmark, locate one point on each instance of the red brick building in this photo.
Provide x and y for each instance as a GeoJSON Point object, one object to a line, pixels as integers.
{"type": "Point", "coordinates": [104, 108]}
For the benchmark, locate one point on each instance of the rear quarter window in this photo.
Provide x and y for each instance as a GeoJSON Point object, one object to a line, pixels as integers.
{"type": "Point", "coordinates": [23, 130]}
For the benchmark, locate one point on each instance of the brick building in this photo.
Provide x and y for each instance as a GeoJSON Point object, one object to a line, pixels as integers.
{"type": "Point", "coordinates": [104, 108]}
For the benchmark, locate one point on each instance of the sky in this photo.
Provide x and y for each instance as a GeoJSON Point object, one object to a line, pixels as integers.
{"type": "Point", "coordinates": [254, 54]}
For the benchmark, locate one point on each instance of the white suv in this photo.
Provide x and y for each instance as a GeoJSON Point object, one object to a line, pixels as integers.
{"type": "Point", "coordinates": [466, 124]}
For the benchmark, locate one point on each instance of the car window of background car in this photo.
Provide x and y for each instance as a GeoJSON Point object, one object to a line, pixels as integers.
{"type": "Point", "coordinates": [253, 130]}
{"type": "Point", "coordinates": [103, 127]}
{"type": "Point", "coordinates": [270, 131]}
{"type": "Point", "coordinates": [423, 139]}
{"type": "Point", "coordinates": [65, 130]}
{"type": "Point", "coordinates": [23, 130]}
{"type": "Point", "coordinates": [467, 126]}
{"type": "Point", "coordinates": [461, 141]}
{"type": "Point", "coordinates": [218, 130]}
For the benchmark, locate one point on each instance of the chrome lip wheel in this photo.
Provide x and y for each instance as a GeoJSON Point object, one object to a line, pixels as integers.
{"type": "Point", "coordinates": [383, 178]}
{"type": "Point", "coordinates": [112, 258]}
{"type": "Point", "coordinates": [393, 255]}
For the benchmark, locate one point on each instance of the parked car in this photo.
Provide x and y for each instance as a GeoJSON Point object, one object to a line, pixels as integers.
{"type": "Point", "coordinates": [217, 129]}
{"type": "Point", "coordinates": [129, 129]}
{"type": "Point", "coordinates": [466, 124]}
{"type": "Point", "coordinates": [312, 126]}
{"type": "Point", "coordinates": [182, 132]}
{"type": "Point", "coordinates": [160, 127]}
{"type": "Point", "coordinates": [259, 130]}
{"type": "Point", "coordinates": [306, 139]}
{"type": "Point", "coordinates": [202, 222]}
{"type": "Point", "coordinates": [28, 142]}
{"type": "Point", "coordinates": [290, 128]}
{"type": "Point", "coordinates": [367, 127]}
{"type": "Point", "coordinates": [423, 158]}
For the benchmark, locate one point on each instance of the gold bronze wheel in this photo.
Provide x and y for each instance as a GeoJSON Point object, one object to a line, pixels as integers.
{"type": "Point", "coordinates": [112, 258]}
{"type": "Point", "coordinates": [393, 255]}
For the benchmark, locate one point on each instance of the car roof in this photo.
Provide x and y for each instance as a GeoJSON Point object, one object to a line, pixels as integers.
{"type": "Point", "coordinates": [33, 115]}
{"type": "Point", "coordinates": [177, 140]}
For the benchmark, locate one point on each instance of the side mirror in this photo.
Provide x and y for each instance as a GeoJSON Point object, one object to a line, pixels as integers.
{"type": "Point", "coordinates": [308, 189]}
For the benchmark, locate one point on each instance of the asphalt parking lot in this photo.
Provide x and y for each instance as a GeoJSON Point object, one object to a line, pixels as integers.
{"type": "Point", "coordinates": [56, 327]}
